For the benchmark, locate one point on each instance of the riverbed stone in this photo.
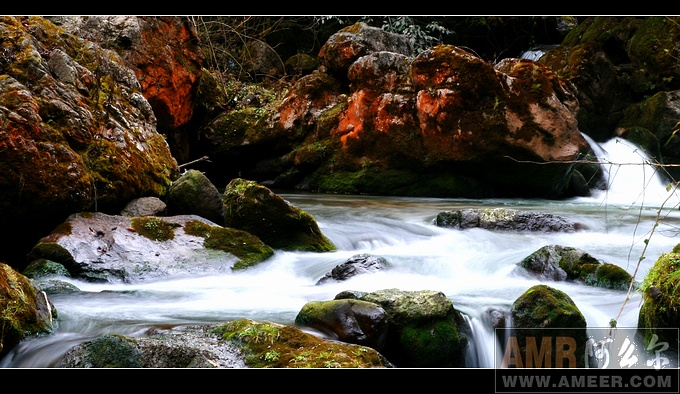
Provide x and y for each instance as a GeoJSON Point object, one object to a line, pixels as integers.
{"type": "Point", "coordinates": [424, 328]}
{"type": "Point", "coordinates": [507, 220]}
{"type": "Point", "coordinates": [348, 320]}
{"type": "Point", "coordinates": [543, 312]}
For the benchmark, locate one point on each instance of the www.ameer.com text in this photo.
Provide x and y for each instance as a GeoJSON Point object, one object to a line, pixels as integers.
{"type": "Point", "coordinates": [524, 381]}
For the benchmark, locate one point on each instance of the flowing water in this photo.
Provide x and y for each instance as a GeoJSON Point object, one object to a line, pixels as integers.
{"type": "Point", "coordinates": [475, 268]}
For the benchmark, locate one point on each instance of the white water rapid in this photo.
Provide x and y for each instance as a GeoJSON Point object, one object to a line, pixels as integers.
{"type": "Point", "coordinates": [473, 267]}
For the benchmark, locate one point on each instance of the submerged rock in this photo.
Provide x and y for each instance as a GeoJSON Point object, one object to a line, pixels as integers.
{"type": "Point", "coordinates": [555, 262]}
{"type": "Point", "coordinates": [355, 265]}
{"type": "Point", "coordinates": [507, 220]}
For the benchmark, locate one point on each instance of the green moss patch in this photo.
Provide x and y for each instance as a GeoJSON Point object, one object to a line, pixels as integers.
{"type": "Point", "coordinates": [269, 345]}
{"type": "Point", "coordinates": [154, 228]}
{"type": "Point", "coordinates": [247, 247]}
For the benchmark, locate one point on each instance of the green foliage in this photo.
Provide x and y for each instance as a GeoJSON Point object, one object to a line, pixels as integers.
{"type": "Point", "coordinates": [423, 36]}
{"type": "Point", "coordinates": [271, 356]}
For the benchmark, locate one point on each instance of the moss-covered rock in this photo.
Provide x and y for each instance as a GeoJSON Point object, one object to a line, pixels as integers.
{"type": "Point", "coordinates": [615, 64]}
{"type": "Point", "coordinates": [240, 343]}
{"type": "Point", "coordinates": [660, 311]}
{"type": "Point", "coordinates": [254, 208]}
{"type": "Point", "coordinates": [24, 310]}
{"type": "Point", "coordinates": [247, 247]}
{"type": "Point", "coordinates": [542, 306]}
{"type": "Point", "coordinates": [349, 320]}
{"type": "Point", "coordinates": [424, 329]}
{"type": "Point", "coordinates": [42, 268]}
{"type": "Point", "coordinates": [178, 347]}
{"type": "Point", "coordinates": [110, 351]}
{"type": "Point", "coordinates": [607, 275]}
{"type": "Point", "coordinates": [79, 134]}
{"type": "Point", "coordinates": [555, 262]}
{"type": "Point", "coordinates": [100, 247]}
{"type": "Point", "coordinates": [545, 312]}
{"type": "Point", "coordinates": [194, 194]}
{"type": "Point", "coordinates": [270, 345]}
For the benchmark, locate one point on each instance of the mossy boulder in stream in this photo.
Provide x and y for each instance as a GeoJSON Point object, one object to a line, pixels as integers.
{"type": "Point", "coordinates": [111, 248]}
{"type": "Point", "coordinates": [541, 314]}
{"type": "Point", "coordinates": [424, 329]}
{"type": "Point", "coordinates": [558, 263]}
{"type": "Point", "coordinates": [254, 208]}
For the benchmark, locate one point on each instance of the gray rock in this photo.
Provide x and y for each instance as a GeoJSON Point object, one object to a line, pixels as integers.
{"type": "Point", "coordinates": [144, 206]}
{"type": "Point", "coordinates": [355, 265]}
{"type": "Point", "coordinates": [506, 219]}
{"type": "Point", "coordinates": [194, 194]}
{"type": "Point", "coordinates": [107, 248]}
{"type": "Point", "coordinates": [191, 347]}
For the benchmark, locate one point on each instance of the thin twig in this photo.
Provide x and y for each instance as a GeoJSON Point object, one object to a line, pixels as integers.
{"type": "Point", "coordinates": [204, 158]}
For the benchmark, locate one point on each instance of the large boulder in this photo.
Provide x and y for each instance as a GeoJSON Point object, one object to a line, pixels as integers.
{"type": "Point", "coordinates": [110, 248]}
{"type": "Point", "coordinates": [78, 134]}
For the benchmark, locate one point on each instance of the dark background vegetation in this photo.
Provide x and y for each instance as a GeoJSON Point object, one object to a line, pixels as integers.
{"type": "Point", "coordinates": [490, 37]}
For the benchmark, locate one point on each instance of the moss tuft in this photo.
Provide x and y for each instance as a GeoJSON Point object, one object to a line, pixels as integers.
{"type": "Point", "coordinates": [247, 247]}
{"type": "Point", "coordinates": [154, 228]}
{"type": "Point", "coordinates": [269, 345]}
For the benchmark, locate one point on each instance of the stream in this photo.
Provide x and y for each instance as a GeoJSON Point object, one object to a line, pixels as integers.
{"type": "Point", "coordinates": [473, 267]}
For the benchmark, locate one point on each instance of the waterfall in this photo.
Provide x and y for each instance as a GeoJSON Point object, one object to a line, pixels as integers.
{"type": "Point", "coordinates": [483, 348]}
{"type": "Point", "coordinates": [632, 178]}
{"type": "Point", "coordinates": [536, 52]}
